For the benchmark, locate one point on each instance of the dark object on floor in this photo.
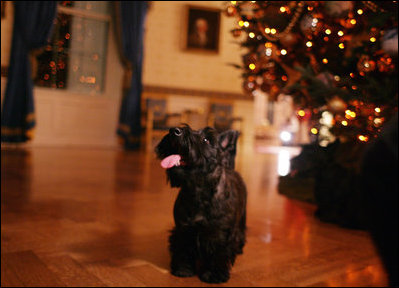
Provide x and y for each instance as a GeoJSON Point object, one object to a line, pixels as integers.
{"type": "Point", "coordinates": [210, 210]}
{"type": "Point", "coordinates": [379, 178]}
{"type": "Point", "coordinates": [331, 175]}
{"type": "Point", "coordinates": [299, 188]}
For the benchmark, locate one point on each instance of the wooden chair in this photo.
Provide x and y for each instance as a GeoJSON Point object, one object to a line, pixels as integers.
{"type": "Point", "coordinates": [158, 120]}
{"type": "Point", "coordinates": [221, 117]}
{"type": "Point", "coordinates": [196, 118]}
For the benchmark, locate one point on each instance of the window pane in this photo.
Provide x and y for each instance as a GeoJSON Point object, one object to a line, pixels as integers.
{"type": "Point", "coordinates": [93, 6]}
{"type": "Point", "coordinates": [101, 7]}
{"type": "Point", "coordinates": [87, 55]}
{"type": "Point", "coordinates": [76, 56]}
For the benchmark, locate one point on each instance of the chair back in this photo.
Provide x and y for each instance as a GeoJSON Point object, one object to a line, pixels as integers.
{"type": "Point", "coordinates": [222, 114]}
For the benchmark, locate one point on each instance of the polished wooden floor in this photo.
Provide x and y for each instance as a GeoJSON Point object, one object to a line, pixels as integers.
{"type": "Point", "coordinates": [84, 217]}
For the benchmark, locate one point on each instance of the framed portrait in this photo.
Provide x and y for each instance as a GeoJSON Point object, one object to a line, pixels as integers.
{"type": "Point", "coordinates": [202, 29]}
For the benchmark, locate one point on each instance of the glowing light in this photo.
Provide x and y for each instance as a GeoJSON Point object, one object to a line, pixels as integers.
{"type": "Point", "coordinates": [309, 44]}
{"type": "Point", "coordinates": [325, 60]}
{"type": "Point", "coordinates": [233, 2]}
{"type": "Point", "coordinates": [340, 33]}
{"type": "Point", "coordinates": [301, 113]}
{"type": "Point", "coordinates": [246, 24]}
{"type": "Point", "coordinates": [344, 123]}
{"type": "Point", "coordinates": [314, 131]}
{"type": "Point", "coordinates": [327, 119]}
{"type": "Point", "coordinates": [251, 34]}
{"type": "Point", "coordinates": [285, 136]}
{"type": "Point", "coordinates": [352, 75]}
{"type": "Point", "coordinates": [378, 121]}
{"type": "Point", "coordinates": [341, 45]}
{"type": "Point", "coordinates": [373, 39]}
{"type": "Point", "coordinates": [363, 138]}
{"type": "Point", "coordinates": [241, 23]}
{"type": "Point", "coordinates": [360, 11]}
{"type": "Point", "coordinates": [377, 109]}
{"type": "Point", "coordinates": [267, 30]}
{"type": "Point", "coordinates": [283, 52]}
{"type": "Point", "coordinates": [354, 87]}
{"type": "Point", "coordinates": [273, 31]}
{"type": "Point", "coordinates": [283, 166]}
{"type": "Point", "coordinates": [326, 38]}
{"type": "Point", "coordinates": [268, 51]}
{"type": "Point", "coordinates": [350, 114]}
{"type": "Point", "coordinates": [337, 78]}
{"type": "Point", "coordinates": [283, 9]}
{"type": "Point", "coordinates": [328, 31]}
{"type": "Point", "coordinates": [252, 66]}
{"type": "Point", "coordinates": [353, 21]}
{"type": "Point", "coordinates": [284, 78]}
{"type": "Point", "coordinates": [268, 45]}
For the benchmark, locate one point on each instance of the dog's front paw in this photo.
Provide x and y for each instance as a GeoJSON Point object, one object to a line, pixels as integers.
{"type": "Point", "coordinates": [214, 277]}
{"type": "Point", "coordinates": [182, 272]}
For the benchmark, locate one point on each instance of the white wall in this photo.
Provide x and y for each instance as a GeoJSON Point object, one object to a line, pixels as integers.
{"type": "Point", "coordinates": [166, 63]}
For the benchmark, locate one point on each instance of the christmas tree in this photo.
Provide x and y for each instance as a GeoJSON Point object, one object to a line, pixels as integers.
{"type": "Point", "coordinates": [334, 57]}
{"type": "Point", "coordinates": [338, 60]}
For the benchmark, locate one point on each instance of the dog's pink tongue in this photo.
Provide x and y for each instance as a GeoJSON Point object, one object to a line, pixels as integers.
{"type": "Point", "coordinates": [170, 161]}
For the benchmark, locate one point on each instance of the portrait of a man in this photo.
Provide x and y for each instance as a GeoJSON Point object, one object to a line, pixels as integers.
{"type": "Point", "coordinates": [203, 29]}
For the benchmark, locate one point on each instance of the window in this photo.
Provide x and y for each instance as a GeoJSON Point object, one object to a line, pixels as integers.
{"type": "Point", "coordinates": [75, 57]}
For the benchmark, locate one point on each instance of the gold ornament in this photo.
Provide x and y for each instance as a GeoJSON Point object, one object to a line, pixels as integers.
{"type": "Point", "coordinates": [336, 104]}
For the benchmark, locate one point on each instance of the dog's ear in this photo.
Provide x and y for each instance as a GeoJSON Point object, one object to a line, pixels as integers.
{"type": "Point", "coordinates": [228, 139]}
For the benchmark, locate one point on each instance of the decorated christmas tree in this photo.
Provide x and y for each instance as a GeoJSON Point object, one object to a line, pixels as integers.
{"type": "Point", "coordinates": [334, 57]}
{"type": "Point", "coordinates": [338, 60]}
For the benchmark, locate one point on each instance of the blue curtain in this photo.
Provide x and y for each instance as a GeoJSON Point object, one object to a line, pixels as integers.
{"type": "Point", "coordinates": [33, 21]}
{"type": "Point", "coordinates": [131, 23]}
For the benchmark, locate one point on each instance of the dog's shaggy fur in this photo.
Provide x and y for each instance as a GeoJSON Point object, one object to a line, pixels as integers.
{"type": "Point", "coordinates": [210, 209]}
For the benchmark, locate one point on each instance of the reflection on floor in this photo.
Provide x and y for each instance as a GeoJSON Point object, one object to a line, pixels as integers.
{"type": "Point", "coordinates": [81, 217]}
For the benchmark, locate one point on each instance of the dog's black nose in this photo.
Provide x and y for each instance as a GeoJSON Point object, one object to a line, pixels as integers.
{"type": "Point", "coordinates": [176, 131]}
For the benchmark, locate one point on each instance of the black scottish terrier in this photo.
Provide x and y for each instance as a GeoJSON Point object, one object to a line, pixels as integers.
{"type": "Point", "coordinates": [210, 209]}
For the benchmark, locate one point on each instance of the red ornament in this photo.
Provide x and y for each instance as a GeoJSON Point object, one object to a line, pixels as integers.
{"type": "Point", "coordinates": [236, 33]}
{"type": "Point", "coordinates": [385, 64]}
{"type": "Point", "coordinates": [365, 64]}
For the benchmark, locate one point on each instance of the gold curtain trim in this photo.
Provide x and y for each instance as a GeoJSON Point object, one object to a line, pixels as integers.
{"type": "Point", "coordinates": [125, 128]}
{"type": "Point", "coordinates": [17, 131]}
{"type": "Point", "coordinates": [131, 139]}
{"type": "Point", "coordinates": [30, 117]}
